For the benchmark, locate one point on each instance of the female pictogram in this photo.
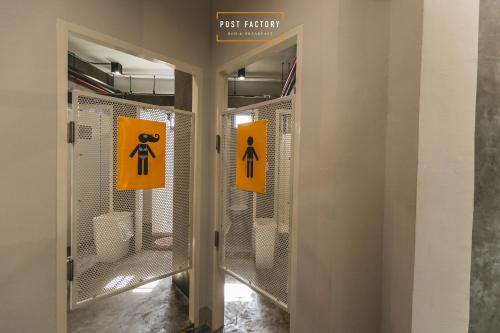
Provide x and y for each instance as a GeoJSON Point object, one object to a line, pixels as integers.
{"type": "Point", "coordinates": [249, 155]}
{"type": "Point", "coordinates": [143, 150]}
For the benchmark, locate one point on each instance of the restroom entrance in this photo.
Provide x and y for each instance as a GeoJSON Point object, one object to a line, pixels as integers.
{"type": "Point", "coordinates": [255, 227]}
{"type": "Point", "coordinates": [124, 239]}
{"type": "Point", "coordinates": [128, 255]}
{"type": "Point", "coordinates": [256, 223]}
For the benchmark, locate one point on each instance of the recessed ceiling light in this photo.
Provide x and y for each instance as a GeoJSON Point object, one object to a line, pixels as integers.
{"type": "Point", "coordinates": [116, 68]}
{"type": "Point", "coordinates": [241, 74]}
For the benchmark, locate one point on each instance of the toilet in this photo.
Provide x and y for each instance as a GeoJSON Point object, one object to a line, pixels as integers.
{"type": "Point", "coordinates": [112, 232]}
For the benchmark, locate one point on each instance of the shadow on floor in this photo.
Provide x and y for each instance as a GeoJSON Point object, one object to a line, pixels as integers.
{"type": "Point", "coordinates": [158, 307]}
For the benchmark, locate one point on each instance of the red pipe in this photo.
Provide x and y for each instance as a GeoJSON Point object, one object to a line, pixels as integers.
{"type": "Point", "coordinates": [89, 85]}
{"type": "Point", "coordinates": [289, 78]}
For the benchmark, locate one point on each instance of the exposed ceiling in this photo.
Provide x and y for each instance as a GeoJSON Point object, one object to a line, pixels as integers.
{"type": "Point", "coordinates": [269, 68]}
{"type": "Point", "coordinates": [132, 65]}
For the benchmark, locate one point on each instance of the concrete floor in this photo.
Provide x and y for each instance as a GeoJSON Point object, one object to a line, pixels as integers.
{"type": "Point", "coordinates": [161, 308]}
{"type": "Point", "coordinates": [246, 311]}
{"type": "Point", "coordinates": [153, 308]}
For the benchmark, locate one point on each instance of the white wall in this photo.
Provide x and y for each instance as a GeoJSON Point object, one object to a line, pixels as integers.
{"type": "Point", "coordinates": [341, 220]}
{"type": "Point", "coordinates": [342, 158]}
{"type": "Point", "coordinates": [430, 159]}
{"type": "Point", "coordinates": [401, 164]}
{"type": "Point", "coordinates": [445, 184]}
{"type": "Point", "coordinates": [426, 152]}
{"type": "Point", "coordinates": [28, 125]}
{"type": "Point", "coordinates": [359, 150]}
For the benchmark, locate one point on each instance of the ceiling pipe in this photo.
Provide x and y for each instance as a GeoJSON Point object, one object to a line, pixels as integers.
{"type": "Point", "coordinates": [291, 85]}
{"type": "Point", "coordinates": [92, 81]}
{"type": "Point", "coordinates": [290, 81]}
{"type": "Point", "coordinates": [282, 74]}
{"type": "Point", "coordinates": [87, 84]}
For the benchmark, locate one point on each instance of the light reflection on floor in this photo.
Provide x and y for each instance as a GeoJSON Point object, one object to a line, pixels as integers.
{"type": "Point", "coordinates": [147, 288]}
{"type": "Point", "coordinates": [246, 311]}
{"type": "Point", "coordinates": [119, 282]}
{"type": "Point", "coordinates": [236, 291]}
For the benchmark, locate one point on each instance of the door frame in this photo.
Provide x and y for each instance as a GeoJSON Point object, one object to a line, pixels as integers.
{"type": "Point", "coordinates": [63, 30]}
{"type": "Point", "coordinates": [289, 38]}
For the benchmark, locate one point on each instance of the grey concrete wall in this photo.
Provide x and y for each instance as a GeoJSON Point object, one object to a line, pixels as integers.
{"type": "Point", "coordinates": [485, 279]}
{"type": "Point", "coordinates": [28, 109]}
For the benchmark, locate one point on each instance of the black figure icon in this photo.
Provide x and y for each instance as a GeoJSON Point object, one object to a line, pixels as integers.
{"type": "Point", "coordinates": [143, 150]}
{"type": "Point", "coordinates": [250, 153]}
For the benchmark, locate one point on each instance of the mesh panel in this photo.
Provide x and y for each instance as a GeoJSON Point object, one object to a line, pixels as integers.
{"type": "Point", "coordinates": [255, 226]}
{"type": "Point", "coordinates": [121, 239]}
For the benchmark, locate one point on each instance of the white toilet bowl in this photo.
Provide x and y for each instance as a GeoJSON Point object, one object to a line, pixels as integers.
{"type": "Point", "coordinates": [112, 233]}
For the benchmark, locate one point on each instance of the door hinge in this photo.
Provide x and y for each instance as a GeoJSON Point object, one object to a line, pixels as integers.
{"type": "Point", "coordinates": [216, 239]}
{"type": "Point", "coordinates": [71, 132]}
{"type": "Point", "coordinates": [70, 268]}
{"type": "Point", "coordinates": [217, 143]}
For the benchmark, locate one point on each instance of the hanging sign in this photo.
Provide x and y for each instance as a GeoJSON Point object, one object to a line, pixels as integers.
{"type": "Point", "coordinates": [251, 145]}
{"type": "Point", "coordinates": [140, 154]}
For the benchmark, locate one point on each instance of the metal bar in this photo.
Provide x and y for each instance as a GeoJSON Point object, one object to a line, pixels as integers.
{"type": "Point", "coordinates": [191, 186]}
{"type": "Point", "coordinates": [74, 118]}
{"type": "Point", "coordinates": [257, 105]}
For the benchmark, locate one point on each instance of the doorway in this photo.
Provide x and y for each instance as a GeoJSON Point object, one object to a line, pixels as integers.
{"type": "Point", "coordinates": [123, 238]}
{"type": "Point", "coordinates": [256, 235]}
{"type": "Point", "coordinates": [125, 246]}
{"type": "Point", "coordinates": [255, 227]}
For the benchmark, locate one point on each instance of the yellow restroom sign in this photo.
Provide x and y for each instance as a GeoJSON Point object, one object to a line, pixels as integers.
{"type": "Point", "coordinates": [251, 141]}
{"type": "Point", "coordinates": [140, 154]}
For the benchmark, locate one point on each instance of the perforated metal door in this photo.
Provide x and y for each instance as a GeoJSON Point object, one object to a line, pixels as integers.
{"type": "Point", "coordinates": [255, 227]}
{"type": "Point", "coordinates": [122, 239]}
